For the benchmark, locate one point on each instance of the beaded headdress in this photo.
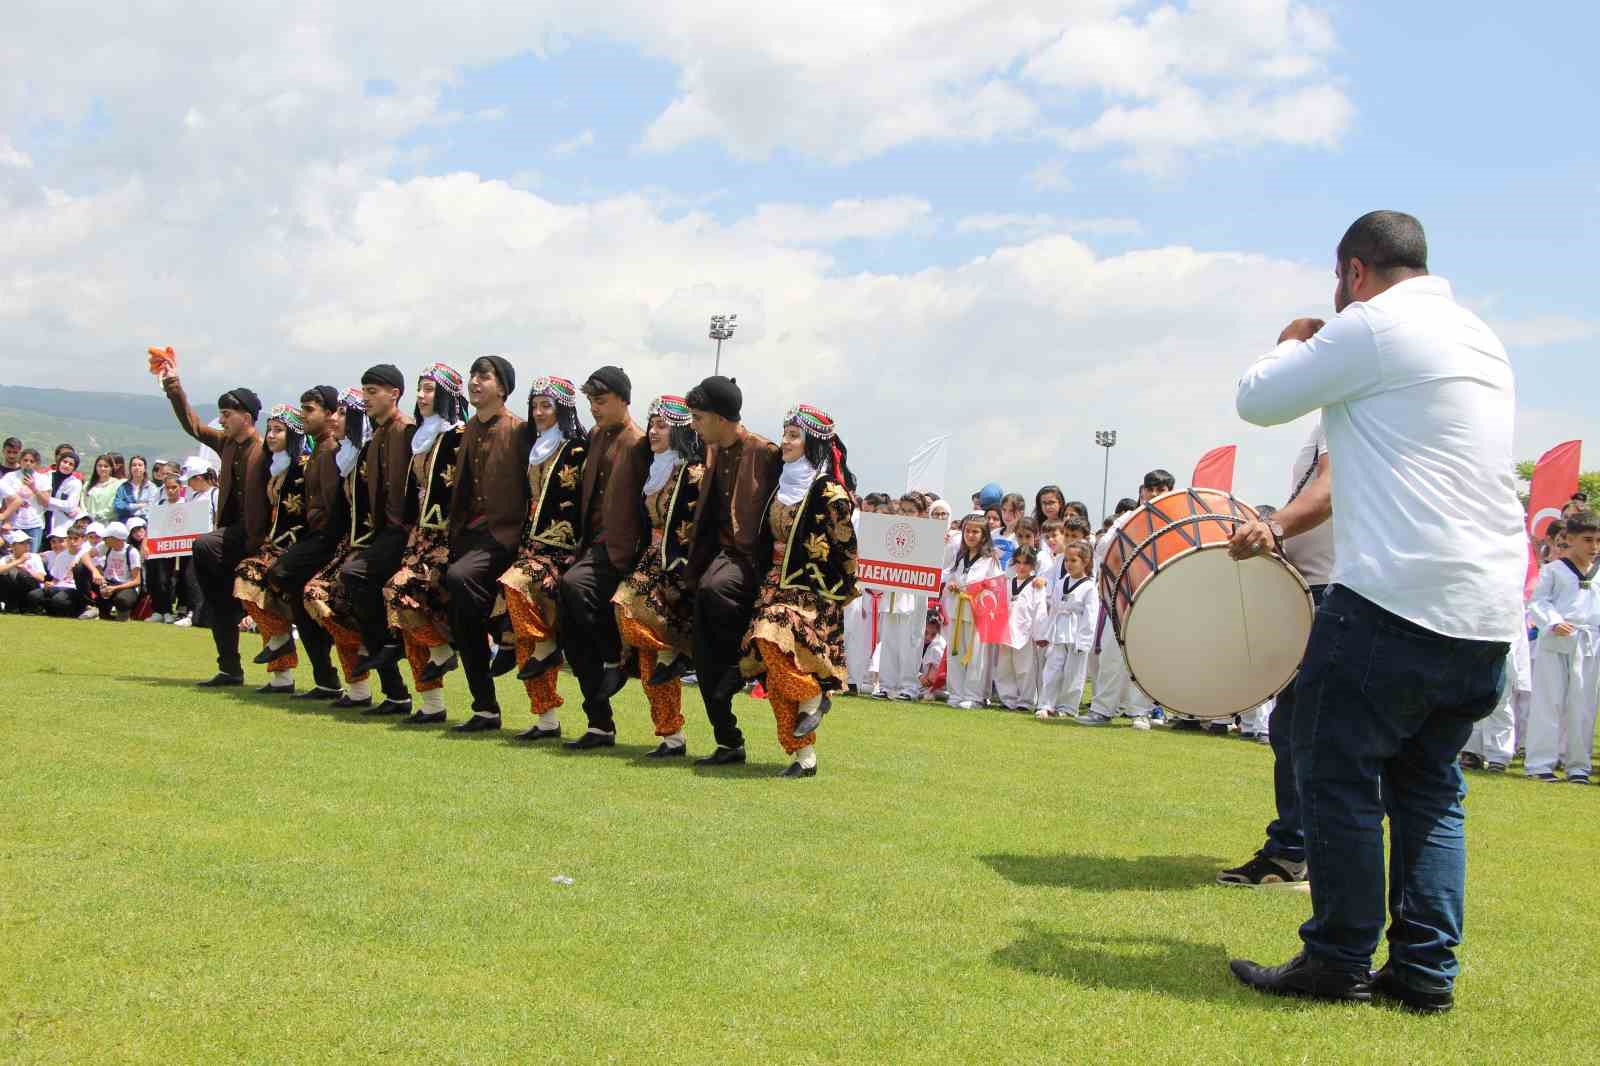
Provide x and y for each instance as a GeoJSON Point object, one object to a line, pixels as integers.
{"type": "Point", "coordinates": [812, 420]}
{"type": "Point", "coordinates": [560, 390]}
{"type": "Point", "coordinates": [672, 410]}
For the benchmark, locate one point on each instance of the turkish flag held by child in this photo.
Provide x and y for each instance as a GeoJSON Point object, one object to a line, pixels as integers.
{"type": "Point", "coordinates": [991, 609]}
{"type": "Point", "coordinates": [1555, 479]}
{"type": "Point", "coordinates": [1215, 469]}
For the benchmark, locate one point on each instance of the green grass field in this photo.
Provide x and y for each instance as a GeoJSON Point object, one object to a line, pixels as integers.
{"type": "Point", "coordinates": [203, 877]}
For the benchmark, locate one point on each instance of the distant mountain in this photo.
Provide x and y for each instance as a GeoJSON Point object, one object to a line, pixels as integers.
{"type": "Point", "coordinates": [92, 422]}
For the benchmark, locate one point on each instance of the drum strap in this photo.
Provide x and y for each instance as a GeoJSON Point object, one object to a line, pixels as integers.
{"type": "Point", "coordinates": [1305, 479]}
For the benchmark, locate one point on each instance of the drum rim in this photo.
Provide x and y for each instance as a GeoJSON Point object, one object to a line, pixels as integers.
{"type": "Point", "coordinates": [1139, 546]}
{"type": "Point", "coordinates": [1311, 611]}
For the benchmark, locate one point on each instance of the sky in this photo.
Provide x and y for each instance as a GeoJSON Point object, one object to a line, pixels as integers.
{"type": "Point", "coordinates": [1015, 223]}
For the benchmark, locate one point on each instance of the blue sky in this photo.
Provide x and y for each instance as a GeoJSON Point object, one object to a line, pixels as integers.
{"type": "Point", "coordinates": [297, 172]}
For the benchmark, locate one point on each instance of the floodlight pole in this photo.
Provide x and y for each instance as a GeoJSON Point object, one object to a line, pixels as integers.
{"type": "Point", "coordinates": [1107, 439]}
{"type": "Point", "coordinates": [722, 327]}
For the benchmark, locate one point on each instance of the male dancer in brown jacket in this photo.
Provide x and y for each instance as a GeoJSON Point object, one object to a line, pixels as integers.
{"type": "Point", "coordinates": [611, 536]}
{"type": "Point", "coordinates": [731, 554]}
{"type": "Point", "coordinates": [243, 513]}
{"type": "Point", "coordinates": [487, 510]}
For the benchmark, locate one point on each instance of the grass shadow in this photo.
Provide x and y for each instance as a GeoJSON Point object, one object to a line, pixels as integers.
{"type": "Point", "coordinates": [1168, 966]}
{"type": "Point", "coordinates": [1107, 873]}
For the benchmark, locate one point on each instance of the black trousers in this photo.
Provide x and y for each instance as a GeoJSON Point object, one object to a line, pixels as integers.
{"type": "Point", "coordinates": [216, 555]}
{"type": "Point", "coordinates": [472, 582]}
{"type": "Point", "coordinates": [64, 603]}
{"type": "Point", "coordinates": [287, 577]}
{"type": "Point", "coordinates": [20, 591]}
{"type": "Point", "coordinates": [159, 581]}
{"type": "Point", "coordinates": [723, 604]}
{"type": "Point", "coordinates": [588, 629]}
{"type": "Point", "coordinates": [364, 577]}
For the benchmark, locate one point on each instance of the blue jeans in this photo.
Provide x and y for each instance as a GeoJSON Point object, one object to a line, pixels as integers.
{"type": "Point", "coordinates": [1284, 838]}
{"type": "Point", "coordinates": [1382, 706]}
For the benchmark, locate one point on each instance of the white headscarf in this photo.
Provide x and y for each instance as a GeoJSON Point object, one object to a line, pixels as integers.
{"type": "Point", "coordinates": [431, 427]}
{"type": "Point", "coordinates": [661, 467]}
{"type": "Point", "coordinates": [280, 462]}
{"type": "Point", "coordinates": [796, 478]}
{"type": "Point", "coordinates": [345, 458]}
{"type": "Point", "coordinates": [545, 445]}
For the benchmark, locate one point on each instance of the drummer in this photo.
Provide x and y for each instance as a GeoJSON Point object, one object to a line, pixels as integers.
{"type": "Point", "coordinates": [1301, 530]}
{"type": "Point", "coordinates": [1114, 690]}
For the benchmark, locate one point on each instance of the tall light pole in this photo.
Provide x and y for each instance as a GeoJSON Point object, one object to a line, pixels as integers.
{"type": "Point", "coordinates": [1107, 439]}
{"type": "Point", "coordinates": [722, 327]}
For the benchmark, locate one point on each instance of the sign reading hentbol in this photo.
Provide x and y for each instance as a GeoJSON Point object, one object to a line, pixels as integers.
{"type": "Point", "coordinates": [894, 552]}
{"type": "Point", "coordinates": [173, 527]}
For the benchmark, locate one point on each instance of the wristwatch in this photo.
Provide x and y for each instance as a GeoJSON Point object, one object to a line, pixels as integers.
{"type": "Point", "coordinates": [1277, 533]}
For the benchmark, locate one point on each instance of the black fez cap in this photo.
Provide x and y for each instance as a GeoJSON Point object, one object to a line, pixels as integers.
{"type": "Point", "coordinates": [719, 395]}
{"type": "Point", "coordinates": [326, 395]}
{"type": "Point", "coordinates": [386, 374]}
{"type": "Point", "coordinates": [240, 399]}
{"type": "Point", "coordinates": [611, 379]}
{"type": "Point", "coordinates": [500, 367]}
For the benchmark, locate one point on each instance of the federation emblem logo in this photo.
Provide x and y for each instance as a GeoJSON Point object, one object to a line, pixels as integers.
{"type": "Point", "coordinates": [900, 541]}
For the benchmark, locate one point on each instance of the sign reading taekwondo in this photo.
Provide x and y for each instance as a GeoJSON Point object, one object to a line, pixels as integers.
{"type": "Point", "coordinates": [173, 527]}
{"type": "Point", "coordinates": [895, 553]}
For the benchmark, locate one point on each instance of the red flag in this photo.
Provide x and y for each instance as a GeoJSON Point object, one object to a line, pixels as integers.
{"type": "Point", "coordinates": [991, 609]}
{"type": "Point", "coordinates": [1215, 469]}
{"type": "Point", "coordinates": [1555, 479]}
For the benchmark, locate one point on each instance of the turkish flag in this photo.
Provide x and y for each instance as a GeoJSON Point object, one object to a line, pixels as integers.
{"type": "Point", "coordinates": [1215, 469]}
{"type": "Point", "coordinates": [991, 609]}
{"type": "Point", "coordinates": [1555, 479]}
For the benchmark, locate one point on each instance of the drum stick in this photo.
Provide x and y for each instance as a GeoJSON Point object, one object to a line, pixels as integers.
{"type": "Point", "coordinates": [1244, 615]}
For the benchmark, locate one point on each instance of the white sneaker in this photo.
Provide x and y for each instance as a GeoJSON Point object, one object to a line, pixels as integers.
{"type": "Point", "coordinates": [966, 705]}
{"type": "Point", "coordinates": [1043, 714]}
{"type": "Point", "coordinates": [89, 614]}
{"type": "Point", "coordinates": [1141, 722]}
{"type": "Point", "coordinates": [184, 622]}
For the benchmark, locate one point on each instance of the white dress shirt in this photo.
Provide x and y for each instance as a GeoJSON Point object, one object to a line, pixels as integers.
{"type": "Point", "coordinates": [1418, 402]}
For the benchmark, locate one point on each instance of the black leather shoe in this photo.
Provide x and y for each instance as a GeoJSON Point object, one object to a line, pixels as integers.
{"type": "Point", "coordinates": [611, 681]}
{"type": "Point", "coordinates": [221, 680]}
{"type": "Point", "coordinates": [809, 723]}
{"type": "Point", "coordinates": [668, 751]}
{"type": "Point", "coordinates": [276, 690]}
{"type": "Point", "coordinates": [537, 733]}
{"type": "Point", "coordinates": [535, 667]}
{"type": "Point", "coordinates": [1307, 977]}
{"type": "Point", "coordinates": [1387, 984]}
{"type": "Point", "coordinates": [317, 692]}
{"type": "Point", "coordinates": [794, 769]}
{"type": "Point", "coordinates": [478, 723]}
{"type": "Point", "coordinates": [592, 740]}
{"type": "Point", "coordinates": [388, 707]}
{"type": "Point", "coordinates": [423, 717]}
{"type": "Point", "coordinates": [670, 671]}
{"type": "Point", "coordinates": [345, 703]}
{"type": "Point", "coordinates": [722, 757]}
{"type": "Point", "coordinates": [266, 655]}
{"type": "Point", "coordinates": [434, 671]}
{"type": "Point", "coordinates": [387, 655]}
{"type": "Point", "coordinates": [505, 661]}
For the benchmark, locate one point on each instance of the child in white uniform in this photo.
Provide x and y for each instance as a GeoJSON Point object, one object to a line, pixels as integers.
{"type": "Point", "coordinates": [1015, 662]}
{"type": "Point", "coordinates": [1494, 739]}
{"type": "Point", "coordinates": [1074, 609]}
{"type": "Point", "coordinates": [933, 669]}
{"type": "Point", "coordinates": [967, 680]}
{"type": "Point", "coordinates": [1566, 606]}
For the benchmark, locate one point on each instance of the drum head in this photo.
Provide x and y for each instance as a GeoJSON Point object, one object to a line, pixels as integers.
{"type": "Point", "coordinates": [1209, 637]}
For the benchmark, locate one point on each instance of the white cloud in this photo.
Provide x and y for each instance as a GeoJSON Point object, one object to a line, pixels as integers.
{"type": "Point", "coordinates": [802, 224]}
{"type": "Point", "coordinates": [573, 144]}
{"type": "Point", "coordinates": [1545, 331]}
{"type": "Point", "coordinates": [1050, 176]}
{"type": "Point", "coordinates": [1015, 225]}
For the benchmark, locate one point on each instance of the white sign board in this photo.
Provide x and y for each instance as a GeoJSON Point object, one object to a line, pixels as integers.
{"type": "Point", "coordinates": [171, 528]}
{"type": "Point", "coordinates": [895, 553]}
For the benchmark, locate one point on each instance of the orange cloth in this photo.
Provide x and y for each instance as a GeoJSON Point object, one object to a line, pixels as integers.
{"type": "Point", "coordinates": [269, 624]}
{"type": "Point", "coordinates": [787, 689]}
{"type": "Point", "coordinates": [417, 656]}
{"type": "Point", "coordinates": [666, 701]}
{"type": "Point", "coordinates": [347, 642]}
{"type": "Point", "coordinates": [529, 629]}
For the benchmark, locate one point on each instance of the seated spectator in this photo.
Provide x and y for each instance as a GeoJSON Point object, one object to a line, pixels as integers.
{"type": "Point", "coordinates": [116, 574]}
{"type": "Point", "coordinates": [62, 596]}
{"type": "Point", "coordinates": [22, 576]}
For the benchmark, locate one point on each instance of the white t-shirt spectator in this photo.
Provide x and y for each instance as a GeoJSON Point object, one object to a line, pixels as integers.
{"type": "Point", "coordinates": [30, 564]}
{"type": "Point", "coordinates": [66, 505]}
{"type": "Point", "coordinates": [1312, 551]}
{"type": "Point", "coordinates": [1418, 402]}
{"type": "Point", "coordinates": [58, 565]}
{"type": "Point", "coordinates": [27, 516]}
{"type": "Point", "coordinates": [117, 565]}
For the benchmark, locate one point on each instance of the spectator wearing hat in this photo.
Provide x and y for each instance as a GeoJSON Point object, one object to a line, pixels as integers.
{"type": "Point", "coordinates": [62, 596]}
{"type": "Point", "coordinates": [611, 529]}
{"type": "Point", "coordinates": [732, 551]}
{"type": "Point", "coordinates": [22, 575]}
{"type": "Point", "coordinates": [242, 513]}
{"type": "Point", "coordinates": [116, 574]}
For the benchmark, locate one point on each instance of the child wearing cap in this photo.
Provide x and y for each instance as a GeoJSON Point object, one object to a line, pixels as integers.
{"type": "Point", "coordinates": [116, 573]}
{"type": "Point", "coordinates": [22, 575]}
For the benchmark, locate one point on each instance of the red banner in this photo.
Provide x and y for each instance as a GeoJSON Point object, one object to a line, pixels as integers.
{"type": "Point", "coordinates": [991, 609]}
{"type": "Point", "coordinates": [1555, 479]}
{"type": "Point", "coordinates": [1215, 469]}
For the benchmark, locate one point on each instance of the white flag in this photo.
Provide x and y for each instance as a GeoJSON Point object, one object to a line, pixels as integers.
{"type": "Point", "coordinates": [928, 465]}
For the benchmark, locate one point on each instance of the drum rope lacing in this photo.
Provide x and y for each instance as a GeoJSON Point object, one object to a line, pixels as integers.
{"type": "Point", "coordinates": [1110, 594]}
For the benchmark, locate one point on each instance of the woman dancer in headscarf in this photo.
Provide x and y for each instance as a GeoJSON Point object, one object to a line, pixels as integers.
{"type": "Point", "coordinates": [653, 613]}
{"type": "Point", "coordinates": [797, 635]}
{"type": "Point", "coordinates": [324, 597]}
{"type": "Point", "coordinates": [414, 595]}
{"type": "Point", "coordinates": [286, 434]}
{"type": "Point", "coordinates": [549, 539]}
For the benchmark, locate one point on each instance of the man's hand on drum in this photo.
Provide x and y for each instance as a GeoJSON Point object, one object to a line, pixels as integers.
{"type": "Point", "coordinates": [1250, 540]}
{"type": "Point", "coordinates": [1301, 329]}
